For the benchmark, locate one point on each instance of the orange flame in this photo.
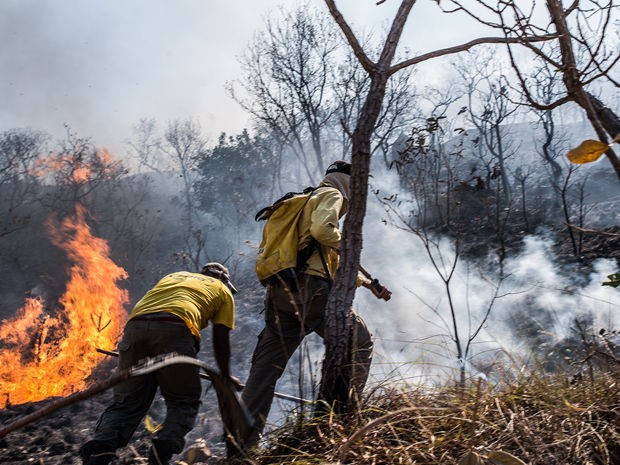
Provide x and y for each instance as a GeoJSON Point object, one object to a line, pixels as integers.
{"type": "Point", "coordinates": [76, 170]}
{"type": "Point", "coordinates": [45, 355]}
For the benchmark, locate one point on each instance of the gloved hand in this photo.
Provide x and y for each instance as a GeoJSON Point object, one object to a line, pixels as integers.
{"type": "Point", "coordinates": [380, 292]}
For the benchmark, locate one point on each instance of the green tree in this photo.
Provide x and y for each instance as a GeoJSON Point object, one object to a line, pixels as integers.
{"type": "Point", "coordinates": [233, 180]}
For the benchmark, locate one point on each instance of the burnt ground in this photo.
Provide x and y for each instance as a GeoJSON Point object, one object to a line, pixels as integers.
{"type": "Point", "coordinates": [52, 440]}
{"type": "Point", "coordinates": [55, 439]}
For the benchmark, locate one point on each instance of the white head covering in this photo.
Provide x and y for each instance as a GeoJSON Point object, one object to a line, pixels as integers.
{"type": "Point", "coordinates": [341, 182]}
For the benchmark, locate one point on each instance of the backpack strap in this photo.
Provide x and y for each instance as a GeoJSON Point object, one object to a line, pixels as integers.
{"type": "Point", "coordinates": [329, 276]}
{"type": "Point", "coordinates": [262, 213]}
{"type": "Point", "coordinates": [304, 254]}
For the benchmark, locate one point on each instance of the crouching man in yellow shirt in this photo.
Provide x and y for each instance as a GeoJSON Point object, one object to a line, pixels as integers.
{"type": "Point", "coordinates": [167, 319]}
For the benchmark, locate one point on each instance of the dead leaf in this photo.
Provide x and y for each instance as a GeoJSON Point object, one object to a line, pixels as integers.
{"type": "Point", "coordinates": [587, 152]}
{"type": "Point", "coordinates": [471, 458]}
{"type": "Point", "coordinates": [151, 425]}
{"type": "Point", "coordinates": [499, 457]}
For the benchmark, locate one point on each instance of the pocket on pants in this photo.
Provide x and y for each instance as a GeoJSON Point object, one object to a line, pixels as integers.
{"type": "Point", "coordinates": [126, 354]}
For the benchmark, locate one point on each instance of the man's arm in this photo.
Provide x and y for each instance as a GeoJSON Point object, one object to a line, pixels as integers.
{"type": "Point", "coordinates": [221, 350]}
{"type": "Point", "coordinates": [325, 216]}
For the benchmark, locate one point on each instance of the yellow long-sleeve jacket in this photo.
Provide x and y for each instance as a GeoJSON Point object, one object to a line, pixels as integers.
{"type": "Point", "coordinates": [320, 220]}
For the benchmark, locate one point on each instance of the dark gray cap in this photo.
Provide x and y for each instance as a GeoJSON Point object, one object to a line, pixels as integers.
{"type": "Point", "coordinates": [339, 166]}
{"type": "Point", "coordinates": [219, 271]}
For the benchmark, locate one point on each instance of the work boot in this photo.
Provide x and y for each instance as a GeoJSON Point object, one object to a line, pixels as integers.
{"type": "Point", "coordinates": [161, 452]}
{"type": "Point", "coordinates": [97, 453]}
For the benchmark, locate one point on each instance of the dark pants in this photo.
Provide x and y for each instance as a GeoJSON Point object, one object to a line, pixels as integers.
{"type": "Point", "coordinates": [179, 385]}
{"type": "Point", "coordinates": [289, 317]}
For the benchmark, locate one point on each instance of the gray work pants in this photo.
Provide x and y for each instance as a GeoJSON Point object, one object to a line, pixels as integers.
{"type": "Point", "coordinates": [289, 317]}
{"type": "Point", "coordinates": [179, 385]}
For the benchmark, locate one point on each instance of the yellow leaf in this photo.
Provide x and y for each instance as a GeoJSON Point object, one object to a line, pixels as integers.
{"type": "Point", "coordinates": [499, 457]}
{"type": "Point", "coordinates": [150, 425]}
{"type": "Point", "coordinates": [587, 152]}
{"type": "Point", "coordinates": [471, 458]}
{"type": "Point", "coordinates": [197, 453]}
{"type": "Point", "coordinates": [574, 407]}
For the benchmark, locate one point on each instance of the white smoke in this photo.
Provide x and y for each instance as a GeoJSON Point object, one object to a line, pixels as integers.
{"type": "Point", "coordinates": [413, 331]}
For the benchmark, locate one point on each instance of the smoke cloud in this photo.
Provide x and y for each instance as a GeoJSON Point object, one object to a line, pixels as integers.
{"type": "Point", "coordinates": [412, 329]}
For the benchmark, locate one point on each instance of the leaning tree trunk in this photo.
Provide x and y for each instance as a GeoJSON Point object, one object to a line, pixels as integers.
{"type": "Point", "coordinates": [608, 118]}
{"type": "Point", "coordinates": [572, 79]}
{"type": "Point", "coordinates": [335, 389]}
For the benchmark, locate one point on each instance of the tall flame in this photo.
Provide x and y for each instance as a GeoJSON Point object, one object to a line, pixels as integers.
{"type": "Point", "coordinates": [52, 353]}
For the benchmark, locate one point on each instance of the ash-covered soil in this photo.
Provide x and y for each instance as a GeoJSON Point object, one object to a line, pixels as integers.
{"type": "Point", "coordinates": [55, 439]}
{"type": "Point", "coordinates": [52, 440]}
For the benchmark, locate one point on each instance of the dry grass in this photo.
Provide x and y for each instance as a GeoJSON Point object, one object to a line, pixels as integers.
{"type": "Point", "coordinates": [539, 420]}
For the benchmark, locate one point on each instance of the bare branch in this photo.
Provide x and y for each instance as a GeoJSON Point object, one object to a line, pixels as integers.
{"type": "Point", "coordinates": [467, 46]}
{"type": "Point", "coordinates": [530, 100]}
{"type": "Point", "coordinates": [571, 8]}
{"type": "Point", "coordinates": [603, 73]}
{"type": "Point", "coordinates": [593, 231]}
{"type": "Point", "coordinates": [393, 37]}
{"type": "Point", "coordinates": [572, 77]}
{"type": "Point", "coordinates": [612, 80]}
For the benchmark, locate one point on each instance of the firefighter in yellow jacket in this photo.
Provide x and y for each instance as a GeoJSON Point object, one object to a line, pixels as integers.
{"type": "Point", "coordinates": [167, 319]}
{"type": "Point", "coordinates": [296, 309]}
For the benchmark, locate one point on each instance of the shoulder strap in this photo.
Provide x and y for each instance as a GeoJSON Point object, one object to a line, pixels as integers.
{"type": "Point", "coordinates": [324, 263]}
{"type": "Point", "coordinates": [261, 215]}
{"type": "Point", "coordinates": [304, 254]}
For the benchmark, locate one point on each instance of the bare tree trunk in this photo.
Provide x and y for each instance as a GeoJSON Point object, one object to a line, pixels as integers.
{"type": "Point", "coordinates": [336, 372]}
{"type": "Point", "coordinates": [335, 389]}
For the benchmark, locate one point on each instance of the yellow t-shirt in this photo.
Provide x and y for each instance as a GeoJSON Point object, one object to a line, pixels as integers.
{"type": "Point", "coordinates": [193, 297]}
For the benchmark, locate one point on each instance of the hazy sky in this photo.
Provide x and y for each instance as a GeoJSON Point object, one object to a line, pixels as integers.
{"type": "Point", "coordinates": [101, 65]}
